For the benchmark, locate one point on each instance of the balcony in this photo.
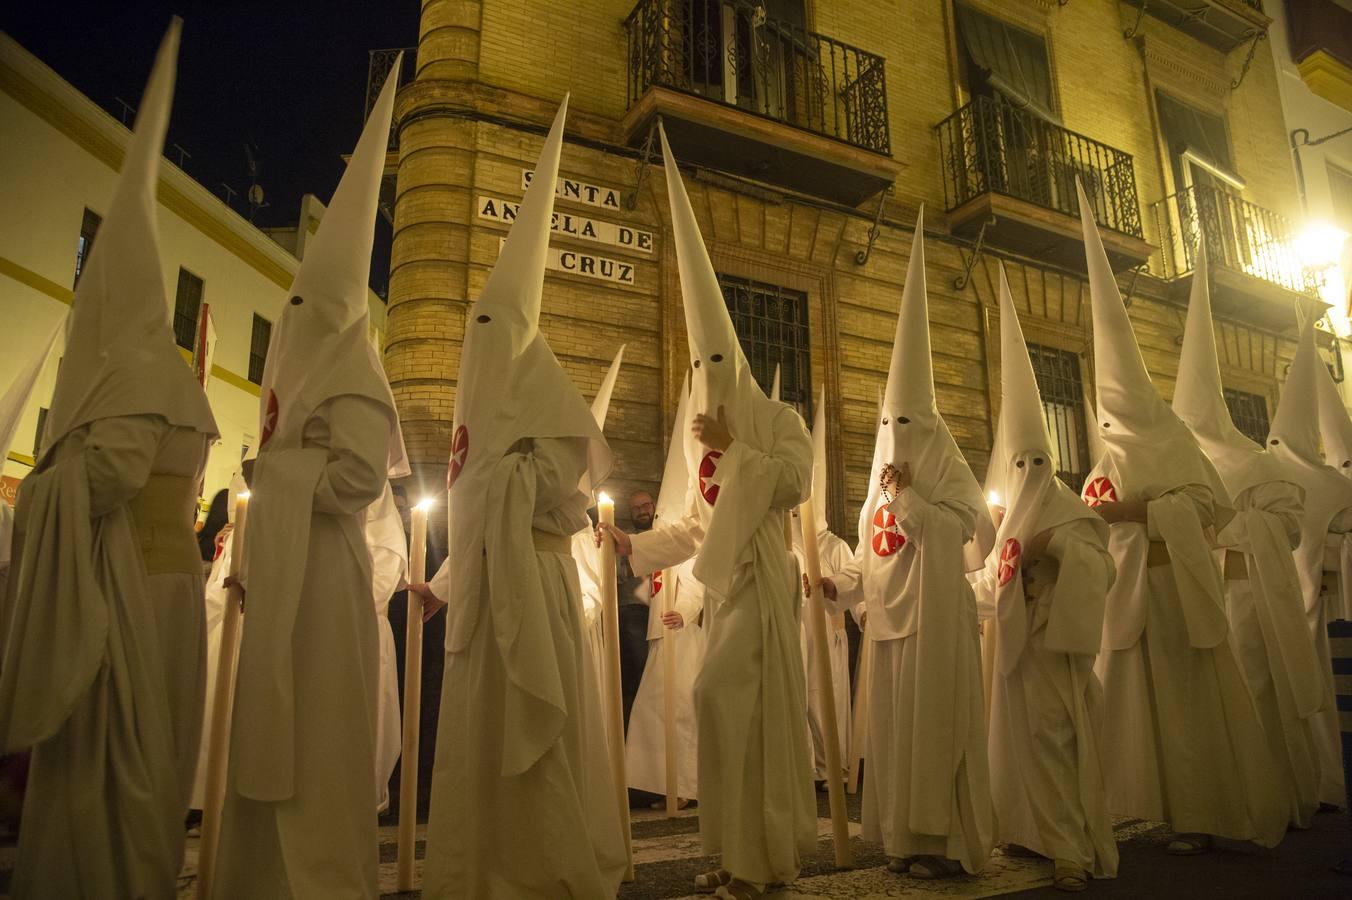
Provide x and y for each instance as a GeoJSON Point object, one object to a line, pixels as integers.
{"type": "Point", "coordinates": [1013, 173]}
{"type": "Point", "coordinates": [773, 101]}
{"type": "Point", "coordinates": [1223, 24]}
{"type": "Point", "coordinates": [1254, 274]}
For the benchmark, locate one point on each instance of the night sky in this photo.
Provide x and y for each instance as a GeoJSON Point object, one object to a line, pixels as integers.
{"type": "Point", "coordinates": [288, 77]}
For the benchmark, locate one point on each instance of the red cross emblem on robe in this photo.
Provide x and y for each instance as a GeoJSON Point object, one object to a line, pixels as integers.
{"type": "Point", "coordinates": [459, 453]}
{"type": "Point", "coordinates": [1100, 490]}
{"type": "Point", "coordinates": [707, 467]}
{"type": "Point", "coordinates": [654, 584]}
{"type": "Point", "coordinates": [269, 419]}
{"type": "Point", "coordinates": [1009, 561]}
{"type": "Point", "coordinates": [887, 536]}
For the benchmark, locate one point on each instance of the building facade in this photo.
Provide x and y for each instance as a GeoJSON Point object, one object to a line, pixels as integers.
{"type": "Point", "coordinates": [59, 156]}
{"type": "Point", "coordinates": [810, 134]}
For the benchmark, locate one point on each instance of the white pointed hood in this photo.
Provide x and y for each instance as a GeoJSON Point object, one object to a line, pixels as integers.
{"type": "Point", "coordinates": [1024, 474]}
{"type": "Point", "coordinates": [820, 479]}
{"type": "Point", "coordinates": [15, 401]}
{"type": "Point", "coordinates": [776, 388]}
{"type": "Point", "coordinates": [1336, 427]}
{"type": "Point", "coordinates": [1093, 434]}
{"type": "Point", "coordinates": [121, 359]}
{"type": "Point", "coordinates": [721, 379]}
{"type": "Point", "coordinates": [1200, 403]}
{"type": "Point", "coordinates": [1294, 439]}
{"type": "Point", "coordinates": [671, 496]}
{"type": "Point", "coordinates": [600, 405]}
{"type": "Point", "coordinates": [910, 428]}
{"type": "Point", "coordinates": [1148, 451]}
{"type": "Point", "coordinates": [510, 385]}
{"type": "Point", "coordinates": [320, 347]}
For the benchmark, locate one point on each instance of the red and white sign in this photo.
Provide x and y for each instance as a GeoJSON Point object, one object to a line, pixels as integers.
{"type": "Point", "coordinates": [1009, 561]}
{"type": "Point", "coordinates": [459, 453]}
{"type": "Point", "coordinates": [270, 419]}
{"type": "Point", "coordinates": [887, 536]}
{"type": "Point", "coordinates": [707, 467]}
{"type": "Point", "coordinates": [1100, 490]}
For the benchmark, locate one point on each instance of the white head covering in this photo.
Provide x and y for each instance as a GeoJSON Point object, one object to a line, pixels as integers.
{"type": "Point", "coordinates": [1148, 451]}
{"type": "Point", "coordinates": [600, 408]}
{"type": "Point", "coordinates": [1198, 400]}
{"type": "Point", "coordinates": [510, 385]}
{"type": "Point", "coordinates": [721, 379]}
{"type": "Point", "coordinates": [1335, 425]}
{"type": "Point", "coordinates": [121, 359]}
{"type": "Point", "coordinates": [1094, 435]}
{"type": "Point", "coordinates": [16, 399]}
{"type": "Point", "coordinates": [320, 348]}
{"type": "Point", "coordinates": [776, 389]}
{"type": "Point", "coordinates": [1023, 471]}
{"type": "Point", "coordinates": [1294, 439]}
{"type": "Point", "coordinates": [820, 479]}
{"type": "Point", "coordinates": [671, 496]}
{"type": "Point", "coordinates": [910, 428]}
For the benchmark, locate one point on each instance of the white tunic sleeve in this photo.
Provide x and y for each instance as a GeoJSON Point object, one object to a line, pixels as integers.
{"type": "Point", "coordinates": [357, 440]}
{"type": "Point", "coordinates": [119, 452]}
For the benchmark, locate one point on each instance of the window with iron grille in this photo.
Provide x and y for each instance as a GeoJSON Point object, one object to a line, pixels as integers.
{"type": "Point", "coordinates": [771, 324]}
{"type": "Point", "coordinates": [258, 348]}
{"type": "Point", "coordinates": [1058, 380]}
{"type": "Point", "coordinates": [187, 307]}
{"type": "Point", "coordinates": [1249, 413]}
{"type": "Point", "coordinates": [89, 226]}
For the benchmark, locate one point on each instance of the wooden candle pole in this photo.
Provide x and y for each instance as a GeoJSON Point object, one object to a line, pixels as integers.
{"type": "Point", "coordinates": [413, 641]}
{"type": "Point", "coordinates": [610, 612]}
{"type": "Point", "coordinates": [668, 651]}
{"type": "Point", "coordinates": [217, 752]}
{"type": "Point", "coordinates": [840, 825]}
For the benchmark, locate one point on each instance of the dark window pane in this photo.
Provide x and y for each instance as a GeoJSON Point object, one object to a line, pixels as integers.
{"type": "Point", "coordinates": [1058, 380]}
{"type": "Point", "coordinates": [89, 227]}
{"type": "Point", "coordinates": [187, 307]}
{"type": "Point", "coordinates": [1249, 413]}
{"type": "Point", "coordinates": [772, 328]}
{"type": "Point", "coordinates": [258, 348]}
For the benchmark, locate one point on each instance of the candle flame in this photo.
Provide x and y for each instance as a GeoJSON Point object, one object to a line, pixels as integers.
{"type": "Point", "coordinates": [426, 503]}
{"type": "Point", "coordinates": [994, 498]}
{"type": "Point", "coordinates": [603, 498]}
{"type": "Point", "coordinates": [242, 495]}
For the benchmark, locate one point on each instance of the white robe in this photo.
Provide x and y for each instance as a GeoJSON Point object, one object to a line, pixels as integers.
{"type": "Point", "coordinates": [927, 784]}
{"type": "Point", "coordinates": [1324, 609]}
{"type": "Point", "coordinates": [645, 748]}
{"type": "Point", "coordinates": [539, 833]}
{"type": "Point", "coordinates": [215, 596]}
{"type": "Point", "coordinates": [835, 555]}
{"type": "Point", "coordinates": [1046, 777]}
{"type": "Point", "coordinates": [321, 841]}
{"type": "Point", "coordinates": [107, 793]}
{"type": "Point", "coordinates": [1268, 638]}
{"type": "Point", "coordinates": [757, 807]}
{"type": "Point", "coordinates": [593, 626]}
{"type": "Point", "coordinates": [1182, 743]}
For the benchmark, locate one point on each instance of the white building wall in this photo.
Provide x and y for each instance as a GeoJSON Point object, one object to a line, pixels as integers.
{"type": "Point", "coordinates": [58, 153]}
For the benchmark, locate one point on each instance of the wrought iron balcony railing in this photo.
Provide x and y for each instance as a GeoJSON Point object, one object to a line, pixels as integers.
{"type": "Point", "coordinates": [1239, 236]}
{"type": "Point", "coordinates": [729, 51]}
{"type": "Point", "coordinates": [989, 146]}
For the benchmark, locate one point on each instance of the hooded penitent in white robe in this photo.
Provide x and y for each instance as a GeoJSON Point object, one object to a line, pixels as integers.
{"type": "Point", "coordinates": [927, 787]}
{"type": "Point", "coordinates": [517, 799]}
{"type": "Point", "coordinates": [834, 555]}
{"type": "Point", "coordinates": [1335, 427]}
{"type": "Point", "coordinates": [1048, 613]}
{"type": "Point", "coordinates": [755, 778]}
{"type": "Point", "coordinates": [299, 817]}
{"type": "Point", "coordinates": [388, 546]}
{"type": "Point", "coordinates": [645, 748]}
{"type": "Point", "coordinates": [1268, 631]}
{"type": "Point", "coordinates": [1181, 742]}
{"type": "Point", "coordinates": [13, 403]}
{"type": "Point", "coordinates": [102, 661]}
{"type": "Point", "coordinates": [1294, 439]}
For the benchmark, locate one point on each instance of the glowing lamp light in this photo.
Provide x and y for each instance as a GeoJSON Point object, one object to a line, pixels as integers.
{"type": "Point", "coordinates": [1320, 245]}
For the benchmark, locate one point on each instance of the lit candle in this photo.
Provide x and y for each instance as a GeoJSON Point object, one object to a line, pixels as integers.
{"type": "Point", "coordinates": [993, 499]}
{"type": "Point", "coordinates": [610, 620]}
{"type": "Point", "coordinates": [413, 640]}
